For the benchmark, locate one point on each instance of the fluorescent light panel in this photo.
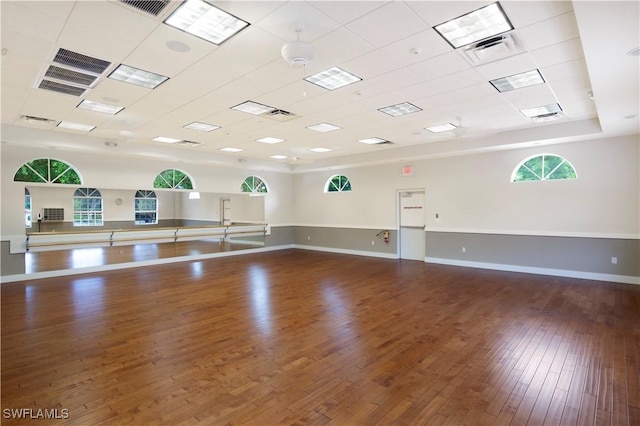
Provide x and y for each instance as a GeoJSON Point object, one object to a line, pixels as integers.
{"type": "Point", "coordinates": [229, 149]}
{"type": "Point", "coordinates": [400, 109]}
{"type": "Point", "coordinates": [270, 140]}
{"type": "Point", "coordinates": [99, 107]}
{"type": "Point", "coordinates": [517, 81]}
{"type": "Point", "coordinates": [441, 128]}
{"type": "Point", "coordinates": [165, 139]}
{"type": "Point", "coordinates": [478, 25]}
{"type": "Point", "coordinates": [542, 110]}
{"type": "Point", "coordinates": [324, 127]}
{"type": "Point", "coordinates": [320, 150]}
{"type": "Point", "coordinates": [372, 141]}
{"type": "Point", "coordinates": [203, 127]}
{"type": "Point", "coordinates": [333, 78]}
{"type": "Point", "coordinates": [278, 157]}
{"type": "Point", "coordinates": [76, 126]}
{"type": "Point", "coordinates": [205, 21]}
{"type": "Point", "coordinates": [137, 76]}
{"type": "Point", "coordinates": [254, 108]}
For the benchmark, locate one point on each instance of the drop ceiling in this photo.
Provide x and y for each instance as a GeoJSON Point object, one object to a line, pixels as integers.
{"type": "Point", "coordinates": [580, 48]}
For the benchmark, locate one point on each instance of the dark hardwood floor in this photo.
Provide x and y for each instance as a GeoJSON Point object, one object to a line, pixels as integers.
{"type": "Point", "coordinates": [300, 337]}
{"type": "Point", "coordinates": [41, 261]}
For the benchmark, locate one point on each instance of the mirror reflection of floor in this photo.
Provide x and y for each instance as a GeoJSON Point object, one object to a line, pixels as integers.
{"type": "Point", "coordinates": [98, 256]}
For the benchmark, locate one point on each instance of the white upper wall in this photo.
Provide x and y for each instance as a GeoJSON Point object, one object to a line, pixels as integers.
{"type": "Point", "coordinates": [474, 193]}
{"type": "Point", "coordinates": [469, 192]}
{"type": "Point", "coordinates": [111, 172]}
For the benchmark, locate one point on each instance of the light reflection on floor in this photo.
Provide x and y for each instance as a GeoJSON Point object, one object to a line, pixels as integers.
{"type": "Point", "coordinates": [260, 301]}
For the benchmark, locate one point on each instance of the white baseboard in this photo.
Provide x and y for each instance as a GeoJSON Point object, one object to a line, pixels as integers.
{"type": "Point", "coordinates": [625, 279]}
{"type": "Point", "coordinates": [347, 251]}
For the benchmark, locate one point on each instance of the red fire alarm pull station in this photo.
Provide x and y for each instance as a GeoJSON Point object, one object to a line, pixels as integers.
{"type": "Point", "coordinates": [407, 171]}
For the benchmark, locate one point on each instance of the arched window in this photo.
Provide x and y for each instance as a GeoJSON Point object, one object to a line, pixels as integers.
{"type": "Point", "coordinates": [173, 179]}
{"type": "Point", "coordinates": [254, 184]}
{"type": "Point", "coordinates": [337, 183]}
{"type": "Point", "coordinates": [146, 207]}
{"type": "Point", "coordinates": [27, 209]}
{"type": "Point", "coordinates": [87, 207]}
{"type": "Point", "coordinates": [47, 170]}
{"type": "Point", "coordinates": [543, 167]}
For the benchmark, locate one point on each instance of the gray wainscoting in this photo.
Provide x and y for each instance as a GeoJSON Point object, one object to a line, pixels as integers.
{"type": "Point", "coordinates": [280, 236]}
{"type": "Point", "coordinates": [10, 264]}
{"type": "Point", "coordinates": [345, 239]}
{"type": "Point", "coordinates": [589, 255]}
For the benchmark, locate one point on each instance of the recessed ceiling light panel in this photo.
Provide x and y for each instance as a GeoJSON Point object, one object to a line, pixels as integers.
{"type": "Point", "coordinates": [441, 128]}
{"type": "Point", "coordinates": [400, 109]}
{"type": "Point", "coordinates": [137, 76]}
{"type": "Point", "coordinates": [270, 140]}
{"type": "Point", "coordinates": [76, 126]}
{"type": "Point", "coordinates": [230, 149]}
{"type": "Point", "coordinates": [165, 139]}
{"type": "Point", "coordinates": [278, 157]}
{"type": "Point", "coordinates": [320, 150]}
{"type": "Point", "coordinates": [324, 127]}
{"type": "Point", "coordinates": [203, 127]}
{"type": "Point", "coordinates": [254, 108]}
{"type": "Point", "coordinates": [517, 81]}
{"type": "Point", "coordinates": [372, 141]}
{"type": "Point", "coordinates": [205, 21]}
{"type": "Point", "coordinates": [99, 107]}
{"type": "Point", "coordinates": [333, 78]}
{"type": "Point", "coordinates": [482, 23]}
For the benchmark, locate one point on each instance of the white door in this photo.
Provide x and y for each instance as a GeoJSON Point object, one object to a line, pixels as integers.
{"type": "Point", "coordinates": [412, 236]}
{"type": "Point", "coordinates": [225, 211]}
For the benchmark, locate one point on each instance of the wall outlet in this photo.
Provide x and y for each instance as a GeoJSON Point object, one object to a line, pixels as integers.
{"type": "Point", "coordinates": [614, 260]}
{"type": "Point", "coordinates": [373, 243]}
{"type": "Point", "coordinates": [308, 238]}
{"type": "Point", "coordinates": [464, 249]}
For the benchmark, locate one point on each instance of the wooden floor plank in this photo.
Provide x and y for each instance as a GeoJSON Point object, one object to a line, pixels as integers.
{"type": "Point", "coordinates": [299, 337]}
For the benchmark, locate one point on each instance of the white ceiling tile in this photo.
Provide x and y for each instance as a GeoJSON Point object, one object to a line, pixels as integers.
{"type": "Point", "coordinates": [439, 66]}
{"type": "Point", "coordinates": [549, 32]}
{"type": "Point", "coordinates": [154, 55]}
{"type": "Point", "coordinates": [117, 92]}
{"type": "Point", "coordinates": [347, 11]}
{"type": "Point", "coordinates": [507, 67]}
{"type": "Point", "coordinates": [558, 53]}
{"type": "Point", "coordinates": [335, 49]}
{"type": "Point", "coordinates": [418, 47]}
{"type": "Point", "coordinates": [518, 96]}
{"type": "Point", "coordinates": [247, 10]}
{"type": "Point", "coordinates": [437, 12]}
{"type": "Point", "coordinates": [564, 70]}
{"type": "Point", "coordinates": [372, 65]}
{"type": "Point", "coordinates": [524, 13]}
{"type": "Point", "coordinates": [388, 24]}
{"type": "Point", "coordinates": [20, 19]}
{"type": "Point", "coordinates": [282, 24]}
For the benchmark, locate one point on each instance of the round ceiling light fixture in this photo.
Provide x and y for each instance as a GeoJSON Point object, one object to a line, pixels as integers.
{"type": "Point", "coordinates": [297, 53]}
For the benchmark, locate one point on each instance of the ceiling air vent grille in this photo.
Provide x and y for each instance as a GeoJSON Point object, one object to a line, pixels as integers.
{"type": "Point", "coordinates": [154, 7]}
{"type": "Point", "coordinates": [62, 88]}
{"type": "Point", "coordinates": [189, 143]}
{"type": "Point", "coordinates": [80, 61]}
{"type": "Point", "coordinates": [76, 77]}
{"type": "Point", "coordinates": [36, 120]}
{"type": "Point", "coordinates": [383, 143]}
{"type": "Point", "coordinates": [280, 115]}
{"type": "Point", "coordinates": [547, 117]}
{"type": "Point", "coordinates": [492, 49]}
